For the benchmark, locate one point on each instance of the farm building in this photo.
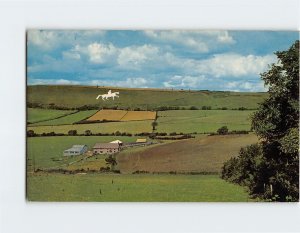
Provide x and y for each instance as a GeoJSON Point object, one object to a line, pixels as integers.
{"type": "Point", "coordinates": [75, 150]}
{"type": "Point", "coordinates": [106, 148]}
{"type": "Point", "coordinates": [141, 140]}
{"type": "Point", "coordinates": [118, 142]}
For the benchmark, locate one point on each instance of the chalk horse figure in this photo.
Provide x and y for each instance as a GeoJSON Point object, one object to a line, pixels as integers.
{"type": "Point", "coordinates": [109, 95]}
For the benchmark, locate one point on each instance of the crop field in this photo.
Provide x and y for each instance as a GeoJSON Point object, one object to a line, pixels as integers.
{"type": "Point", "coordinates": [107, 115]}
{"type": "Point", "coordinates": [47, 152]}
{"type": "Point", "coordinates": [139, 116]}
{"type": "Point", "coordinates": [145, 99]}
{"type": "Point", "coordinates": [107, 127]}
{"type": "Point", "coordinates": [200, 121]}
{"type": "Point", "coordinates": [132, 188]}
{"type": "Point", "coordinates": [122, 115]}
{"type": "Point", "coordinates": [37, 115]}
{"type": "Point", "coordinates": [205, 154]}
{"type": "Point", "coordinates": [68, 119]}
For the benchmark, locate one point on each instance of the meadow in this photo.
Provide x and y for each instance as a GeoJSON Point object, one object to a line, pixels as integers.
{"type": "Point", "coordinates": [132, 188]}
{"type": "Point", "coordinates": [122, 115]}
{"type": "Point", "coordinates": [200, 121]}
{"type": "Point", "coordinates": [145, 99]}
{"type": "Point", "coordinates": [68, 119]}
{"type": "Point", "coordinates": [107, 127]}
{"type": "Point", "coordinates": [37, 115]}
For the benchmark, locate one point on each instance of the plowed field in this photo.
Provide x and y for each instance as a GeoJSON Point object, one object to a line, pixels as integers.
{"type": "Point", "coordinates": [122, 115]}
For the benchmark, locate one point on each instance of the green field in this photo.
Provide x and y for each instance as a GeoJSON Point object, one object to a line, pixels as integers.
{"type": "Point", "coordinates": [69, 119]}
{"type": "Point", "coordinates": [200, 121]}
{"type": "Point", "coordinates": [107, 127]}
{"type": "Point", "coordinates": [185, 121]}
{"type": "Point", "coordinates": [36, 114]}
{"type": "Point", "coordinates": [146, 99]}
{"type": "Point", "coordinates": [132, 188]}
{"type": "Point", "coordinates": [47, 152]}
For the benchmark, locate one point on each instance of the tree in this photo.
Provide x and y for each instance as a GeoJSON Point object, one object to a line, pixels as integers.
{"type": "Point", "coordinates": [87, 132]}
{"type": "Point", "coordinates": [223, 130]}
{"type": "Point", "coordinates": [30, 133]}
{"type": "Point", "coordinates": [154, 124]}
{"type": "Point", "coordinates": [72, 132]}
{"type": "Point", "coordinates": [276, 122]}
{"type": "Point", "coordinates": [111, 161]}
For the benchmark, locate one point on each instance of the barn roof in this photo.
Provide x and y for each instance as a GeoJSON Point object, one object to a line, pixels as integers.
{"type": "Point", "coordinates": [141, 140]}
{"type": "Point", "coordinates": [116, 141]}
{"type": "Point", "coordinates": [106, 146]}
{"type": "Point", "coordinates": [76, 148]}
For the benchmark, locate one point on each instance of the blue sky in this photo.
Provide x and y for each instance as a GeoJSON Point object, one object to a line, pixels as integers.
{"type": "Point", "coordinates": [179, 59]}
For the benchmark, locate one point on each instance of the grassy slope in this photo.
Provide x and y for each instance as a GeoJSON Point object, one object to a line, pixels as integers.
{"type": "Point", "coordinates": [69, 119]}
{"type": "Point", "coordinates": [111, 187]}
{"type": "Point", "coordinates": [75, 96]}
{"type": "Point", "coordinates": [189, 121]}
{"type": "Point", "coordinates": [203, 154]}
{"type": "Point", "coordinates": [34, 114]}
{"type": "Point", "coordinates": [108, 127]}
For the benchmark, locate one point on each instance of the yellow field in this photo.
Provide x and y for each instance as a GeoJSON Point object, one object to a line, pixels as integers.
{"type": "Point", "coordinates": [122, 115]}
{"type": "Point", "coordinates": [139, 116]}
{"type": "Point", "coordinates": [109, 115]}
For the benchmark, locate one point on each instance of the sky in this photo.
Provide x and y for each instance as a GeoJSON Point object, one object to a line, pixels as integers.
{"type": "Point", "coordinates": [178, 59]}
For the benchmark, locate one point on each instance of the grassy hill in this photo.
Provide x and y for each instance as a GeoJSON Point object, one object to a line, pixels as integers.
{"type": "Point", "coordinates": [146, 99]}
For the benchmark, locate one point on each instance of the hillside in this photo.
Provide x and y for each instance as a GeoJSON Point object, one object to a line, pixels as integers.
{"type": "Point", "coordinates": [146, 99]}
{"type": "Point", "coordinates": [202, 154]}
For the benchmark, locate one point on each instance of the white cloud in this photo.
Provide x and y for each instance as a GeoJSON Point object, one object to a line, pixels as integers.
{"type": "Point", "coordinates": [201, 41]}
{"type": "Point", "coordinates": [184, 81]}
{"type": "Point", "coordinates": [37, 81]}
{"type": "Point", "coordinates": [235, 65]}
{"type": "Point", "coordinates": [135, 56]}
{"type": "Point", "coordinates": [245, 86]}
{"type": "Point", "coordinates": [128, 82]}
{"type": "Point", "coordinates": [100, 53]}
{"type": "Point", "coordinates": [49, 39]}
{"type": "Point", "coordinates": [71, 55]}
{"type": "Point", "coordinates": [41, 38]}
{"type": "Point", "coordinates": [131, 57]}
{"type": "Point", "coordinates": [225, 38]}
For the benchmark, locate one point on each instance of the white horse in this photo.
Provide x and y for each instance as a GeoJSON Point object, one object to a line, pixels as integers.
{"type": "Point", "coordinates": [109, 95]}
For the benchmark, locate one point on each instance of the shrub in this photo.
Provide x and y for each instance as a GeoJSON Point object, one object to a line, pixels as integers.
{"type": "Point", "coordinates": [30, 133]}
{"type": "Point", "coordinates": [247, 169]}
{"type": "Point", "coordinates": [72, 132]}
{"type": "Point", "coordinates": [223, 130]}
{"type": "Point", "coordinates": [206, 108]}
{"type": "Point", "coordinates": [88, 132]}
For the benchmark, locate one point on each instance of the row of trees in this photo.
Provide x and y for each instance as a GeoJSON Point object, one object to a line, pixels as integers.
{"type": "Point", "coordinates": [270, 169]}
